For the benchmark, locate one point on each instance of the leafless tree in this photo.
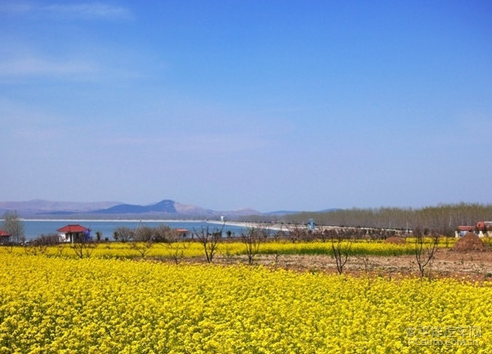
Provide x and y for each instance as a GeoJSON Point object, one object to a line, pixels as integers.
{"type": "Point", "coordinates": [60, 249]}
{"type": "Point", "coordinates": [252, 240]}
{"type": "Point", "coordinates": [99, 236]}
{"type": "Point", "coordinates": [175, 248]}
{"type": "Point", "coordinates": [365, 260]}
{"type": "Point", "coordinates": [143, 240]}
{"type": "Point", "coordinates": [442, 218]}
{"type": "Point", "coordinates": [83, 247]}
{"type": "Point", "coordinates": [41, 243]}
{"type": "Point", "coordinates": [425, 249]}
{"type": "Point", "coordinates": [210, 241]}
{"type": "Point", "coordinates": [48, 240]}
{"type": "Point", "coordinates": [123, 234]}
{"type": "Point", "coordinates": [341, 247]}
{"type": "Point", "coordinates": [297, 233]}
{"type": "Point", "coordinates": [164, 233]}
{"type": "Point", "coordinates": [320, 234]}
{"type": "Point", "coordinates": [13, 226]}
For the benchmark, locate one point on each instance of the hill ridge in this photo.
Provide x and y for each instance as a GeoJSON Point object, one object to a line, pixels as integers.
{"type": "Point", "coordinates": [166, 207]}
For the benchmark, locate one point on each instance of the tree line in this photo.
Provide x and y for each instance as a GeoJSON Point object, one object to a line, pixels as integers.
{"type": "Point", "coordinates": [443, 219]}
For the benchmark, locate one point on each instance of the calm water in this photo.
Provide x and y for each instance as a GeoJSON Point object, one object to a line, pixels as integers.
{"type": "Point", "coordinates": [34, 228]}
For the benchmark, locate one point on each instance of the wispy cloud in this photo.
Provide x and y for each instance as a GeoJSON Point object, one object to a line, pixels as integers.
{"type": "Point", "coordinates": [90, 11]}
{"type": "Point", "coordinates": [83, 10]}
{"type": "Point", "coordinates": [192, 144]}
{"type": "Point", "coordinates": [35, 66]}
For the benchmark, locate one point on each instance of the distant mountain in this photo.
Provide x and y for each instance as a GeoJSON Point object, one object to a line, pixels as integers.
{"type": "Point", "coordinates": [164, 206]}
{"type": "Point", "coordinates": [171, 207]}
{"type": "Point", "coordinates": [186, 209]}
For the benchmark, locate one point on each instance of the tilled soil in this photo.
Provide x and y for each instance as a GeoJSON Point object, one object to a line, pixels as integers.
{"type": "Point", "coordinates": [471, 265]}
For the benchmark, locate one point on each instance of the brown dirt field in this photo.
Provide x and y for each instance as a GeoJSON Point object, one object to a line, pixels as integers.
{"type": "Point", "coordinates": [473, 266]}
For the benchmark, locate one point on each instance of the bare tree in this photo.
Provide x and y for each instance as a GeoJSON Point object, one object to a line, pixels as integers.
{"type": "Point", "coordinates": [297, 234]}
{"type": "Point", "coordinates": [252, 240]}
{"type": "Point", "coordinates": [209, 240]}
{"type": "Point", "coordinates": [320, 234]}
{"type": "Point", "coordinates": [425, 249]}
{"type": "Point", "coordinates": [99, 236]}
{"type": "Point", "coordinates": [175, 248]}
{"type": "Point", "coordinates": [164, 233]}
{"type": "Point", "coordinates": [83, 247]}
{"type": "Point", "coordinates": [442, 218]}
{"type": "Point", "coordinates": [341, 247]}
{"type": "Point", "coordinates": [123, 234]}
{"type": "Point", "coordinates": [143, 240]}
{"type": "Point", "coordinates": [13, 226]}
{"type": "Point", "coordinates": [41, 244]}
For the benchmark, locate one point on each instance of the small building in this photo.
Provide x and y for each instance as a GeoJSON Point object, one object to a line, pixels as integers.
{"type": "Point", "coordinates": [464, 229]}
{"type": "Point", "coordinates": [4, 237]}
{"type": "Point", "coordinates": [484, 225]}
{"type": "Point", "coordinates": [311, 225]}
{"type": "Point", "coordinates": [182, 232]}
{"type": "Point", "coordinates": [74, 233]}
{"type": "Point", "coordinates": [482, 228]}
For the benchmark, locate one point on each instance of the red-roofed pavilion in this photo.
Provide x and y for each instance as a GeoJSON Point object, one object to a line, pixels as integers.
{"type": "Point", "coordinates": [4, 237]}
{"type": "Point", "coordinates": [74, 233]}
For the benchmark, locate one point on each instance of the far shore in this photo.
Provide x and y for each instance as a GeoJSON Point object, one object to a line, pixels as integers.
{"type": "Point", "coordinates": [117, 220]}
{"type": "Point", "coordinates": [249, 224]}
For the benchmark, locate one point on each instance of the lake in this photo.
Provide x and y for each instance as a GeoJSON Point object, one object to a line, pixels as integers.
{"type": "Point", "coordinates": [34, 228]}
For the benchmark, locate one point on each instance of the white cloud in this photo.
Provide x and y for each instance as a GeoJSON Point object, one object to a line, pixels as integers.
{"type": "Point", "coordinates": [35, 66]}
{"type": "Point", "coordinates": [83, 11]}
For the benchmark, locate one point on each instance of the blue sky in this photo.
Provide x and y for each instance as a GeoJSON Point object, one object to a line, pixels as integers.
{"type": "Point", "coordinates": [301, 105]}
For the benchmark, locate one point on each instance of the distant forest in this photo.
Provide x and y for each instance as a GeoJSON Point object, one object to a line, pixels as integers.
{"type": "Point", "coordinates": [443, 219]}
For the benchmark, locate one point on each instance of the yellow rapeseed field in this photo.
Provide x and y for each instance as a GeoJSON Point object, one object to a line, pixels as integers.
{"type": "Point", "coordinates": [195, 249]}
{"type": "Point", "coordinates": [96, 305]}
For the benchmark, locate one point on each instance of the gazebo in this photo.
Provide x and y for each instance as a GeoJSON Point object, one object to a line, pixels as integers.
{"type": "Point", "coordinates": [74, 233]}
{"type": "Point", "coordinates": [4, 237]}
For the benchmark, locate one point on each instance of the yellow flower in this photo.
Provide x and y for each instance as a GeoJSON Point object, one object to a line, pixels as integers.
{"type": "Point", "coordinates": [108, 305]}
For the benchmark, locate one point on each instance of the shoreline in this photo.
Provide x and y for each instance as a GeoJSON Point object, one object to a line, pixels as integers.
{"type": "Point", "coordinates": [251, 225]}
{"type": "Point", "coordinates": [246, 224]}
{"type": "Point", "coordinates": [33, 227]}
{"type": "Point", "coordinates": [114, 220]}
